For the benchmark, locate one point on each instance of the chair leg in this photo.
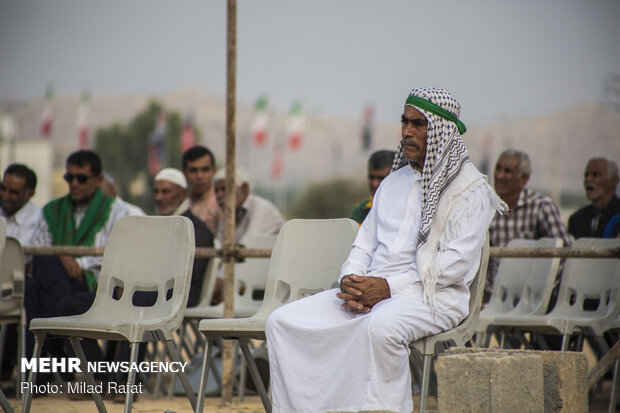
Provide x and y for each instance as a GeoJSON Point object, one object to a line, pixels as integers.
{"type": "Point", "coordinates": [131, 376]}
{"type": "Point", "coordinates": [174, 354]}
{"type": "Point", "coordinates": [4, 403]}
{"type": "Point", "coordinates": [426, 375]}
{"type": "Point", "coordinates": [161, 354]}
{"type": "Point", "coordinates": [21, 352]}
{"type": "Point", "coordinates": [202, 388]}
{"type": "Point", "coordinates": [258, 381]}
{"type": "Point", "coordinates": [565, 340]}
{"type": "Point", "coordinates": [77, 348]}
{"type": "Point", "coordinates": [32, 376]}
{"type": "Point", "coordinates": [614, 388]}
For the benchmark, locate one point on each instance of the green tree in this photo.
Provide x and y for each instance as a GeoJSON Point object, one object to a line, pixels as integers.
{"type": "Point", "coordinates": [332, 199]}
{"type": "Point", "coordinates": [123, 149]}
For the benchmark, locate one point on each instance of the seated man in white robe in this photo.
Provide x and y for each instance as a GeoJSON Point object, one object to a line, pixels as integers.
{"type": "Point", "coordinates": [407, 275]}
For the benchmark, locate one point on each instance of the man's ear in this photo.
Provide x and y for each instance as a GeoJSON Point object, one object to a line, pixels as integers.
{"type": "Point", "coordinates": [523, 179]}
{"type": "Point", "coordinates": [29, 194]}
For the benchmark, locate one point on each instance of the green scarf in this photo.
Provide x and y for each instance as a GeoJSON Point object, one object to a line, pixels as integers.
{"type": "Point", "coordinates": [61, 222]}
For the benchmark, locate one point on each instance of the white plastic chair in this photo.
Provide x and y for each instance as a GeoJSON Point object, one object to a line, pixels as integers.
{"type": "Point", "coordinates": [143, 253]}
{"type": "Point", "coordinates": [11, 298]}
{"type": "Point", "coordinates": [4, 403]}
{"type": "Point", "coordinates": [456, 336]}
{"type": "Point", "coordinates": [522, 285]}
{"type": "Point", "coordinates": [585, 281]}
{"type": "Point", "coordinates": [306, 259]}
{"type": "Point", "coordinates": [252, 274]}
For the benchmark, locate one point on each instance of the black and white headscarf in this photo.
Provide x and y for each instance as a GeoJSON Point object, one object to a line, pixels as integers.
{"type": "Point", "coordinates": [445, 153]}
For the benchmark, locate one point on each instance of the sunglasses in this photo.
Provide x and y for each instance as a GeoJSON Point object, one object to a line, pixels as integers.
{"type": "Point", "coordinates": [81, 178]}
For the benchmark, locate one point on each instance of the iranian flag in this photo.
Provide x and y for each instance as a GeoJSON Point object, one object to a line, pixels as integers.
{"type": "Point", "coordinates": [82, 121]}
{"type": "Point", "coordinates": [157, 145]}
{"type": "Point", "coordinates": [188, 136]}
{"type": "Point", "coordinates": [46, 120]}
{"type": "Point", "coordinates": [295, 130]}
{"type": "Point", "coordinates": [277, 162]}
{"type": "Point", "coordinates": [259, 125]}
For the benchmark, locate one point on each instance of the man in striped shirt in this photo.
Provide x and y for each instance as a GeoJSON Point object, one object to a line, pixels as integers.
{"type": "Point", "coordinates": [532, 215]}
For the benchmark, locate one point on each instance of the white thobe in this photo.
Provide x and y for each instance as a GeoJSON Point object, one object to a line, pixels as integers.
{"type": "Point", "coordinates": [325, 358]}
{"type": "Point", "coordinates": [43, 237]}
{"type": "Point", "coordinates": [22, 224]}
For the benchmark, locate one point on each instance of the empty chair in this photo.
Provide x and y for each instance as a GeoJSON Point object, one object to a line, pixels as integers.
{"type": "Point", "coordinates": [306, 259]}
{"type": "Point", "coordinates": [429, 346]}
{"type": "Point", "coordinates": [152, 254]}
{"type": "Point", "coordinates": [521, 286]}
{"type": "Point", "coordinates": [11, 296]}
{"type": "Point", "coordinates": [587, 301]}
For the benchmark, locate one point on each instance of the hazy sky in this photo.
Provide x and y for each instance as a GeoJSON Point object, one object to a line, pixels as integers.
{"type": "Point", "coordinates": [502, 59]}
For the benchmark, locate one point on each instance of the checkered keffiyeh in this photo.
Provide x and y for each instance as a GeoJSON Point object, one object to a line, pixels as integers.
{"type": "Point", "coordinates": [445, 154]}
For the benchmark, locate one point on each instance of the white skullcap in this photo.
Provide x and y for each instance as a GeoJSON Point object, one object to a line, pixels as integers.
{"type": "Point", "coordinates": [172, 175]}
{"type": "Point", "coordinates": [241, 175]}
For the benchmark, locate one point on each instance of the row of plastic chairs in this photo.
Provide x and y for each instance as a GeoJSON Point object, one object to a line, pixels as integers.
{"type": "Point", "coordinates": [155, 254]}
{"type": "Point", "coordinates": [588, 300]}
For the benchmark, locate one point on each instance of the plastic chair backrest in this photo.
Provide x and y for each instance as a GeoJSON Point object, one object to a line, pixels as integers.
{"type": "Point", "coordinates": [11, 276]}
{"type": "Point", "coordinates": [540, 281]}
{"type": "Point", "coordinates": [306, 259]}
{"type": "Point", "coordinates": [511, 276]}
{"type": "Point", "coordinates": [589, 286]}
{"type": "Point", "coordinates": [146, 253]}
{"type": "Point", "coordinates": [466, 328]}
{"type": "Point", "coordinates": [252, 273]}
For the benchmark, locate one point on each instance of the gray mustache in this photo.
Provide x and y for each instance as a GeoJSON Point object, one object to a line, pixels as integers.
{"type": "Point", "coordinates": [409, 142]}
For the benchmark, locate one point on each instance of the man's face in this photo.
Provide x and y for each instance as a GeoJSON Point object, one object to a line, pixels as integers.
{"type": "Point", "coordinates": [167, 196]}
{"type": "Point", "coordinates": [596, 181]}
{"type": "Point", "coordinates": [414, 127]}
{"type": "Point", "coordinates": [199, 174]}
{"type": "Point", "coordinates": [375, 176]}
{"type": "Point", "coordinates": [506, 177]}
{"type": "Point", "coordinates": [219, 187]}
{"type": "Point", "coordinates": [15, 194]}
{"type": "Point", "coordinates": [82, 183]}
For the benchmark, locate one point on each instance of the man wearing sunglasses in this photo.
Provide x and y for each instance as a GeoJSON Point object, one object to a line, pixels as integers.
{"type": "Point", "coordinates": [64, 285]}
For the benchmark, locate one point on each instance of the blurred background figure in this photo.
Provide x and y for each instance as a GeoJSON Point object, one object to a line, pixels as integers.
{"type": "Point", "coordinates": [254, 215]}
{"type": "Point", "coordinates": [169, 194]}
{"type": "Point", "coordinates": [18, 185]}
{"type": "Point", "coordinates": [379, 166]}
{"type": "Point", "coordinates": [109, 188]}
{"type": "Point", "coordinates": [600, 182]}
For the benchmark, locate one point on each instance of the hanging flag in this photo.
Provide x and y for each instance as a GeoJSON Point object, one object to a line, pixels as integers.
{"type": "Point", "coordinates": [295, 130]}
{"type": "Point", "coordinates": [82, 121]}
{"type": "Point", "coordinates": [259, 125]}
{"type": "Point", "coordinates": [157, 145]}
{"type": "Point", "coordinates": [188, 135]}
{"type": "Point", "coordinates": [277, 162]}
{"type": "Point", "coordinates": [367, 116]}
{"type": "Point", "coordinates": [46, 120]}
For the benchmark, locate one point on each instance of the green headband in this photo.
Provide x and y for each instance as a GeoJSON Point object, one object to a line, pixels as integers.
{"type": "Point", "coordinates": [437, 110]}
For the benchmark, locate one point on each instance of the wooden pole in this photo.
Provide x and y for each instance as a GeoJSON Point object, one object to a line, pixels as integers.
{"type": "Point", "coordinates": [604, 364]}
{"type": "Point", "coordinates": [229, 209]}
{"type": "Point", "coordinates": [203, 252]}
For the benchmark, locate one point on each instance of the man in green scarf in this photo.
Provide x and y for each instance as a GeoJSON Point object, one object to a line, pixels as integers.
{"type": "Point", "coordinates": [65, 285]}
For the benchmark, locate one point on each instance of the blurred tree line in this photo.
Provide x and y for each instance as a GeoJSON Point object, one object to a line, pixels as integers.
{"type": "Point", "coordinates": [124, 149]}
{"type": "Point", "coordinates": [331, 199]}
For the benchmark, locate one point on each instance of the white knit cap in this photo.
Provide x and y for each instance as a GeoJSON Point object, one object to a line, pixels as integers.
{"type": "Point", "coordinates": [172, 175]}
{"type": "Point", "coordinates": [241, 175]}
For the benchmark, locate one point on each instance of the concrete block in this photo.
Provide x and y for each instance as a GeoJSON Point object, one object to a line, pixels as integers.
{"type": "Point", "coordinates": [494, 383]}
{"type": "Point", "coordinates": [565, 377]}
